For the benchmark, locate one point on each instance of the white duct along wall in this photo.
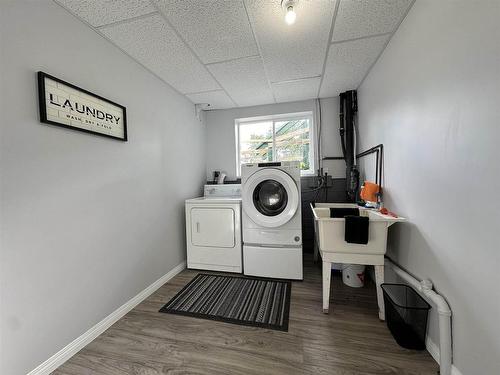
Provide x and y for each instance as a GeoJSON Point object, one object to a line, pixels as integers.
{"type": "Point", "coordinates": [432, 100]}
{"type": "Point", "coordinates": [444, 354]}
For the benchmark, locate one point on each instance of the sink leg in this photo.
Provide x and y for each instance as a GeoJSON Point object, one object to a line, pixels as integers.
{"type": "Point", "coordinates": [379, 279]}
{"type": "Point", "coordinates": [327, 273]}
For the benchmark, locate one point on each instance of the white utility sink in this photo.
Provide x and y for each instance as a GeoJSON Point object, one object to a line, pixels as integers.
{"type": "Point", "coordinates": [329, 241]}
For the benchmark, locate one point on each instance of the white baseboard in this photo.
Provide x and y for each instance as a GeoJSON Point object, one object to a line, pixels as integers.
{"type": "Point", "coordinates": [433, 350]}
{"type": "Point", "coordinates": [80, 342]}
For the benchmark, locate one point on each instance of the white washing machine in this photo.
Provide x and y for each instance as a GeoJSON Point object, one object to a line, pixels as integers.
{"type": "Point", "coordinates": [213, 229]}
{"type": "Point", "coordinates": [271, 219]}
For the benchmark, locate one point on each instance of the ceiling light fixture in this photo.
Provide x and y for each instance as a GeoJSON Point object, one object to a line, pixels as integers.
{"type": "Point", "coordinates": [289, 8]}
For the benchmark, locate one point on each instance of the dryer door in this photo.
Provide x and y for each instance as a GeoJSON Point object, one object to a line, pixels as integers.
{"type": "Point", "coordinates": [212, 227]}
{"type": "Point", "coordinates": [270, 197]}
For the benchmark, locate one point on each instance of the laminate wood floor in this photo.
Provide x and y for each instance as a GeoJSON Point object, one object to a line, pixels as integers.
{"type": "Point", "coordinates": [349, 340]}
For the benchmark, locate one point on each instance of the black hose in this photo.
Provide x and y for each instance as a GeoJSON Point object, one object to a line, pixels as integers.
{"type": "Point", "coordinates": [342, 123]}
{"type": "Point", "coordinates": [343, 146]}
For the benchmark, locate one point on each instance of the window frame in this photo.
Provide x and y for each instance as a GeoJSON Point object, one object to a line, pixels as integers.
{"type": "Point", "coordinates": [275, 118]}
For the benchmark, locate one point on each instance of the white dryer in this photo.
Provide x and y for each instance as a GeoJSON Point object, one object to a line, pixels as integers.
{"type": "Point", "coordinates": [271, 219]}
{"type": "Point", "coordinates": [213, 229]}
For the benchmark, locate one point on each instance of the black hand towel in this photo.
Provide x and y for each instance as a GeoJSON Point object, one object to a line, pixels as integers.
{"type": "Point", "coordinates": [341, 212]}
{"type": "Point", "coordinates": [356, 229]}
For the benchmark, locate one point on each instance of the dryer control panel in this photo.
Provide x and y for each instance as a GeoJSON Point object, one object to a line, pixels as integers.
{"type": "Point", "coordinates": [222, 190]}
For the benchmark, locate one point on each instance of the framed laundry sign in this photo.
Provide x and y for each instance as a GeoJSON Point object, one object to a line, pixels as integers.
{"type": "Point", "coordinates": [66, 105]}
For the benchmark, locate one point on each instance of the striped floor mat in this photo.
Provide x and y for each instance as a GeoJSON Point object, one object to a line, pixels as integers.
{"type": "Point", "coordinates": [239, 300]}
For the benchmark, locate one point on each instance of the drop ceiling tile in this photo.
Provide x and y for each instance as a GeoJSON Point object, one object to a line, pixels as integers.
{"type": "Point", "coordinates": [154, 44]}
{"type": "Point", "coordinates": [359, 18]}
{"type": "Point", "coordinates": [217, 99]}
{"type": "Point", "coordinates": [244, 80]}
{"type": "Point", "coordinates": [348, 62]}
{"type": "Point", "coordinates": [292, 51]}
{"type": "Point", "coordinates": [102, 12]}
{"type": "Point", "coordinates": [216, 30]}
{"type": "Point", "coordinates": [296, 90]}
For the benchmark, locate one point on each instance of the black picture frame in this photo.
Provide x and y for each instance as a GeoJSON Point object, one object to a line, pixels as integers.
{"type": "Point", "coordinates": [43, 107]}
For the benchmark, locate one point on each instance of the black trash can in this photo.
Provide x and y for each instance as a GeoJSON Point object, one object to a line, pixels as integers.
{"type": "Point", "coordinates": [406, 315]}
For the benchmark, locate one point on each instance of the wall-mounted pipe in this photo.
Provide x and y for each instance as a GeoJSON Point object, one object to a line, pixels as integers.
{"type": "Point", "coordinates": [379, 151]}
{"type": "Point", "coordinates": [444, 312]}
{"type": "Point", "coordinates": [342, 123]}
{"type": "Point", "coordinates": [333, 158]}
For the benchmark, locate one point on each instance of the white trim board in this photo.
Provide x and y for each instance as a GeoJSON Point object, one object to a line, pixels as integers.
{"type": "Point", "coordinates": [79, 343]}
{"type": "Point", "coordinates": [433, 350]}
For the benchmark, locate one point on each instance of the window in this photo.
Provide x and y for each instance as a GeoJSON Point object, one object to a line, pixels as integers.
{"type": "Point", "coordinates": [276, 138]}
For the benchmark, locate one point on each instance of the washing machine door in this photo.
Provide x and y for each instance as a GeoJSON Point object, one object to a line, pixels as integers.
{"type": "Point", "coordinates": [270, 197]}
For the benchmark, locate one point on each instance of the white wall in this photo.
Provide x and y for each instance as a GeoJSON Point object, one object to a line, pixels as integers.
{"type": "Point", "coordinates": [88, 222]}
{"type": "Point", "coordinates": [221, 145]}
{"type": "Point", "coordinates": [433, 101]}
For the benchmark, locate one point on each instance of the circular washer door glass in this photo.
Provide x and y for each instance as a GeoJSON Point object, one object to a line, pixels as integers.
{"type": "Point", "coordinates": [270, 197]}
